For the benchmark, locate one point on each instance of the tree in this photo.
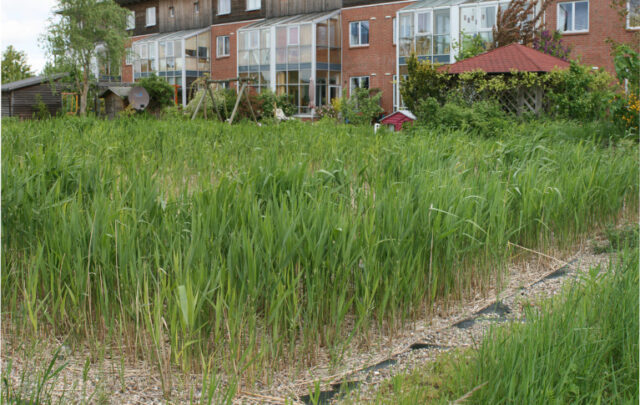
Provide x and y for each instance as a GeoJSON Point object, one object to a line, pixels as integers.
{"type": "Point", "coordinates": [14, 65]}
{"type": "Point", "coordinates": [518, 23]}
{"type": "Point", "coordinates": [83, 33]}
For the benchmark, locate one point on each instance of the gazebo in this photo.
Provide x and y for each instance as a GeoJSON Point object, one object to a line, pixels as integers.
{"type": "Point", "coordinates": [506, 60]}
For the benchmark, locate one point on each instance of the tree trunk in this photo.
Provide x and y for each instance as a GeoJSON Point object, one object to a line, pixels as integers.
{"type": "Point", "coordinates": [84, 94]}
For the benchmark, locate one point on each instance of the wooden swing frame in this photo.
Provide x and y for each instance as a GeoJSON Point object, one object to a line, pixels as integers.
{"type": "Point", "coordinates": [243, 81]}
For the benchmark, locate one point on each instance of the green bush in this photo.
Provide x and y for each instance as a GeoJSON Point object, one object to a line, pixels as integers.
{"type": "Point", "coordinates": [269, 99]}
{"type": "Point", "coordinates": [482, 118]}
{"type": "Point", "coordinates": [579, 93]}
{"type": "Point", "coordinates": [424, 80]}
{"type": "Point", "coordinates": [225, 100]}
{"type": "Point", "coordinates": [161, 93]}
{"type": "Point", "coordinates": [362, 107]}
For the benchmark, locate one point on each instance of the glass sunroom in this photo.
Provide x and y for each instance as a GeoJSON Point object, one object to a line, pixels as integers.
{"type": "Point", "coordinates": [180, 57]}
{"type": "Point", "coordinates": [296, 55]}
{"type": "Point", "coordinates": [433, 31]}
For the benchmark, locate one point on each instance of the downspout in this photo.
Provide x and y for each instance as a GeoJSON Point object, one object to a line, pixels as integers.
{"type": "Point", "coordinates": [184, 74]}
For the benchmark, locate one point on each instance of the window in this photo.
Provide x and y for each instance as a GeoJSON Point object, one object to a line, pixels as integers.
{"type": "Point", "coordinates": [131, 20]}
{"type": "Point", "coordinates": [359, 33]}
{"type": "Point", "coordinates": [633, 14]}
{"type": "Point", "coordinates": [128, 56]}
{"type": "Point", "coordinates": [361, 82]}
{"type": "Point", "coordinates": [293, 36]}
{"type": "Point", "coordinates": [172, 12]}
{"type": "Point", "coordinates": [395, 30]}
{"type": "Point", "coordinates": [223, 47]}
{"type": "Point", "coordinates": [224, 7]}
{"type": "Point", "coordinates": [423, 23]}
{"type": "Point", "coordinates": [253, 5]}
{"type": "Point", "coordinates": [151, 17]}
{"type": "Point", "coordinates": [196, 7]}
{"type": "Point", "coordinates": [573, 16]}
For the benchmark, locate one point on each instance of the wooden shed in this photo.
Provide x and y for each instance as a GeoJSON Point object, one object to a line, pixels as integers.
{"type": "Point", "coordinates": [395, 120]}
{"type": "Point", "coordinates": [20, 98]}
{"type": "Point", "coordinates": [116, 99]}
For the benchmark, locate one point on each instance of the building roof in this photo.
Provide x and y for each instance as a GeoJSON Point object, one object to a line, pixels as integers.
{"type": "Point", "coordinates": [507, 58]}
{"type": "Point", "coordinates": [170, 36]}
{"type": "Point", "coordinates": [290, 20]}
{"type": "Point", "coordinates": [406, 113]}
{"type": "Point", "coordinates": [32, 81]}
{"type": "Point", "coordinates": [426, 4]}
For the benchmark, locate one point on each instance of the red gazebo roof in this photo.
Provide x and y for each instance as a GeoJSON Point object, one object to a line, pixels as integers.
{"type": "Point", "coordinates": [507, 58]}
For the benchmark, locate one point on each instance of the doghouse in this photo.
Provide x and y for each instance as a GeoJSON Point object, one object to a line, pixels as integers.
{"type": "Point", "coordinates": [394, 121]}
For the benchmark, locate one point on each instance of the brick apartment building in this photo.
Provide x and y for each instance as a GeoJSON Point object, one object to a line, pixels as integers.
{"type": "Point", "coordinates": [316, 50]}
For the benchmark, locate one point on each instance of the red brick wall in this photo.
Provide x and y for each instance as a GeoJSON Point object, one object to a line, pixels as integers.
{"type": "Point", "coordinates": [225, 67]}
{"type": "Point", "coordinates": [604, 23]}
{"type": "Point", "coordinates": [379, 57]}
{"type": "Point", "coordinates": [127, 70]}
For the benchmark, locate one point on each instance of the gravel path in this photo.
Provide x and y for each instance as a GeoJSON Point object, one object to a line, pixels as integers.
{"type": "Point", "coordinates": [114, 380]}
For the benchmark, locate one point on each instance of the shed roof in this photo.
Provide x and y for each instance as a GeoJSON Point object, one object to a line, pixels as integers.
{"type": "Point", "coordinates": [117, 90]}
{"type": "Point", "coordinates": [32, 81]}
{"type": "Point", "coordinates": [507, 58]}
{"type": "Point", "coordinates": [406, 113]}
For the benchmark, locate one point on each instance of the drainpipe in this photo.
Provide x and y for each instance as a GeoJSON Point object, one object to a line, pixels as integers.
{"type": "Point", "coordinates": [184, 74]}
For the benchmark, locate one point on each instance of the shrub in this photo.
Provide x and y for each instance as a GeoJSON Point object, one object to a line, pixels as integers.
{"type": "Point", "coordinates": [225, 99]}
{"type": "Point", "coordinates": [579, 93]}
{"type": "Point", "coordinates": [482, 118]}
{"type": "Point", "coordinates": [362, 107]}
{"type": "Point", "coordinates": [41, 109]}
{"type": "Point", "coordinates": [470, 46]}
{"type": "Point", "coordinates": [160, 92]}
{"type": "Point", "coordinates": [269, 101]}
{"type": "Point", "coordinates": [551, 44]}
{"type": "Point", "coordinates": [424, 80]}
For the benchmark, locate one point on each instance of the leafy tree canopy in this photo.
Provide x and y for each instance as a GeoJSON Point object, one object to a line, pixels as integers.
{"type": "Point", "coordinates": [14, 65]}
{"type": "Point", "coordinates": [83, 33]}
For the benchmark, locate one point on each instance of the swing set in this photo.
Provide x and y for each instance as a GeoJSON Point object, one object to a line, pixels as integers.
{"type": "Point", "coordinates": [242, 81]}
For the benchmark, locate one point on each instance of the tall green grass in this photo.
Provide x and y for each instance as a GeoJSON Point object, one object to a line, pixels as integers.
{"type": "Point", "coordinates": [579, 348]}
{"type": "Point", "coordinates": [253, 243]}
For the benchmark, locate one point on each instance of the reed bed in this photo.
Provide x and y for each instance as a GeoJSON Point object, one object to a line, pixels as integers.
{"type": "Point", "coordinates": [255, 244]}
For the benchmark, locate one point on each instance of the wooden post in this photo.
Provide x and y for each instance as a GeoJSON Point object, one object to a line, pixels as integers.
{"type": "Point", "coordinates": [251, 107]}
{"type": "Point", "coordinates": [235, 107]}
{"type": "Point", "coordinates": [193, 117]}
{"type": "Point", "coordinates": [213, 101]}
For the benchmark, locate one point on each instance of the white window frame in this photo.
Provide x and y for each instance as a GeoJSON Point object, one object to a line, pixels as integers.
{"type": "Point", "coordinates": [358, 80]}
{"type": "Point", "coordinates": [360, 24]}
{"type": "Point", "coordinates": [169, 50]}
{"type": "Point", "coordinates": [629, 26]}
{"type": "Point", "coordinates": [573, 16]}
{"type": "Point", "coordinates": [224, 7]}
{"type": "Point", "coordinates": [150, 17]}
{"type": "Point", "coordinates": [254, 5]}
{"type": "Point", "coordinates": [293, 40]}
{"type": "Point", "coordinates": [225, 46]}
{"type": "Point", "coordinates": [395, 30]}
{"type": "Point", "coordinates": [419, 33]}
{"type": "Point", "coordinates": [128, 56]}
{"type": "Point", "coordinates": [131, 20]}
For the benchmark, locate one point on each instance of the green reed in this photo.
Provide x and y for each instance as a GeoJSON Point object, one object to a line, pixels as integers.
{"type": "Point", "coordinates": [253, 243]}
